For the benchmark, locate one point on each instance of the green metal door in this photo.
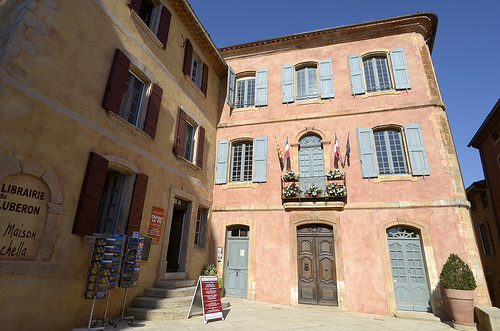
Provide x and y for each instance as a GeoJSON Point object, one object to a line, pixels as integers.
{"type": "Point", "coordinates": [408, 271]}
{"type": "Point", "coordinates": [236, 276]}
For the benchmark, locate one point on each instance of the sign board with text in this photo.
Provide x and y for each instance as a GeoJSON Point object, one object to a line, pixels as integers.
{"type": "Point", "coordinates": [207, 297]}
{"type": "Point", "coordinates": [156, 224]}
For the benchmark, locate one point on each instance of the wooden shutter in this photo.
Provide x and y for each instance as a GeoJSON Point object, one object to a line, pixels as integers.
{"type": "Point", "coordinates": [356, 74]}
{"type": "Point", "coordinates": [221, 162]}
{"type": "Point", "coordinates": [366, 150]}
{"type": "Point", "coordinates": [137, 204]}
{"type": "Point", "coordinates": [154, 105]}
{"type": "Point", "coordinates": [188, 58]}
{"type": "Point", "coordinates": [326, 78]}
{"type": "Point", "coordinates": [261, 80]}
{"type": "Point", "coordinates": [399, 69]}
{"type": "Point", "coordinates": [260, 159]}
{"type": "Point", "coordinates": [231, 82]}
{"type": "Point", "coordinates": [164, 26]}
{"type": "Point", "coordinates": [90, 195]}
{"type": "Point", "coordinates": [287, 83]}
{"type": "Point", "coordinates": [204, 79]}
{"type": "Point", "coordinates": [180, 128]}
{"type": "Point", "coordinates": [199, 148]}
{"type": "Point", "coordinates": [416, 150]}
{"type": "Point", "coordinates": [117, 81]}
{"type": "Point", "coordinates": [134, 5]}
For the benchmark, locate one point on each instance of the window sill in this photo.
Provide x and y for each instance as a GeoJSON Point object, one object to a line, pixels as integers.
{"type": "Point", "coordinates": [195, 87]}
{"type": "Point", "coordinates": [132, 129]}
{"type": "Point", "coordinates": [374, 94]}
{"type": "Point", "coordinates": [239, 185]}
{"type": "Point", "coordinates": [188, 163]}
{"type": "Point", "coordinates": [307, 102]}
{"type": "Point", "coordinates": [145, 29]}
{"type": "Point", "coordinates": [237, 110]}
{"type": "Point", "coordinates": [395, 178]}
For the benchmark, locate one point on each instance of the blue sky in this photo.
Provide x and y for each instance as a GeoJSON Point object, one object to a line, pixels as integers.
{"type": "Point", "coordinates": [465, 55]}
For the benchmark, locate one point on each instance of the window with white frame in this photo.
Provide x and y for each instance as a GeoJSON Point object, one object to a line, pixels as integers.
{"type": "Point", "coordinates": [247, 90]}
{"type": "Point", "coordinates": [392, 150]}
{"type": "Point", "coordinates": [189, 141]}
{"type": "Point", "coordinates": [155, 16]}
{"type": "Point", "coordinates": [201, 227]}
{"type": "Point", "coordinates": [244, 159]}
{"type": "Point", "coordinates": [130, 107]}
{"type": "Point", "coordinates": [195, 68]}
{"type": "Point", "coordinates": [307, 81]}
{"type": "Point", "coordinates": [378, 72]}
{"type": "Point", "coordinates": [245, 93]}
{"type": "Point", "coordinates": [189, 138]}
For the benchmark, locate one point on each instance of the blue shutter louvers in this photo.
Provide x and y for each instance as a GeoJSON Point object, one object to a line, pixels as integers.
{"type": "Point", "coordinates": [221, 162]}
{"type": "Point", "coordinates": [366, 151]}
{"type": "Point", "coordinates": [231, 81]}
{"type": "Point", "coordinates": [399, 69]}
{"type": "Point", "coordinates": [356, 74]}
{"type": "Point", "coordinates": [261, 78]}
{"type": "Point", "coordinates": [326, 78]}
{"type": "Point", "coordinates": [287, 83]}
{"type": "Point", "coordinates": [260, 159]}
{"type": "Point", "coordinates": [416, 150]}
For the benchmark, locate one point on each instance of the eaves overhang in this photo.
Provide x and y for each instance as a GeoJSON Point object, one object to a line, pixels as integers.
{"type": "Point", "coordinates": [200, 35]}
{"type": "Point", "coordinates": [484, 130]}
{"type": "Point", "coordinates": [424, 23]}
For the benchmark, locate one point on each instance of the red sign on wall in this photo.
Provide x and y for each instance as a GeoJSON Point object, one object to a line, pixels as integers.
{"type": "Point", "coordinates": [156, 223]}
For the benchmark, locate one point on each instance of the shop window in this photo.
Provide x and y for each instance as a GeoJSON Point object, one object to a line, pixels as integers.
{"type": "Point", "coordinates": [195, 68]}
{"type": "Point", "coordinates": [189, 139]}
{"type": "Point", "coordinates": [111, 200]}
{"type": "Point", "coordinates": [247, 161]}
{"type": "Point", "coordinates": [384, 151]}
{"type": "Point", "coordinates": [372, 73]}
{"type": "Point", "coordinates": [155, 16]}
{"type": "Point", "coordinates": [307, 81]}
{"type": "Point", "coordinates": [130, 95]}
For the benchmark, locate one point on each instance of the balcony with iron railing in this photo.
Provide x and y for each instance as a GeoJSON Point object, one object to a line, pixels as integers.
{"type": "Point", "coordinates": [327, 191]}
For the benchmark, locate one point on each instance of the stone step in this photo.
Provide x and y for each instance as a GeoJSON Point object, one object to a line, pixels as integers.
{"type": "Point", "coordinates": [175, 275]}
{"type": "Point", "coordinates": [150, 302]}
{"type": "Point", "coordinates": [169, 293]}
{"type": "Point", "coordinates": [175, 283]}
{"type": "Point", "coordinates": [159, 314]}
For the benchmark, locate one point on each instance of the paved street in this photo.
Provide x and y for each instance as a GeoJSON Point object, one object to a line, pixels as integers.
{"type": "Point", "coordinates": [248, 315]}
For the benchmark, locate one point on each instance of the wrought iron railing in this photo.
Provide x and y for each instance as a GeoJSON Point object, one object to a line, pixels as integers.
{"type": "Point", "coordinates": [314, 188]}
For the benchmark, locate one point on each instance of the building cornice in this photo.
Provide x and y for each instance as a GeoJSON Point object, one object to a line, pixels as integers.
{"type": "Point", "coordinates": [200, 35]}
{"type": "Point", "coordinates": [485, 129]}
{"type": "Point", "coordinates": [423, 23]}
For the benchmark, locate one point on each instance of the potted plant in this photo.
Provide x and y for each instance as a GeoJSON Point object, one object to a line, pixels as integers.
{"type": "Point", "coordinates": [313, 191]}
{"type": "Point", "coordinates": [334, 174]}
{"type": "Point", "coordinates": [290, 176]}
{"type": "Point", "coordinates": [290, 191]}
{"type": "Point", "coordinates": [459, 284]}
{"type": "Point", "coordinates": [336, 190]}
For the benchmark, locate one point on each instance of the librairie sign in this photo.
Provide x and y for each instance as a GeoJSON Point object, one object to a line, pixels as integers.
{"type": "Point", "coordinates": [23, 213]}
{"type": "Point", "coordinates": [207, 297]}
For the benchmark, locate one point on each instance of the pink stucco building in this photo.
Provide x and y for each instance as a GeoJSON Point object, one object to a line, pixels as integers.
{"type": "Point", "coordinates": [378, 243]}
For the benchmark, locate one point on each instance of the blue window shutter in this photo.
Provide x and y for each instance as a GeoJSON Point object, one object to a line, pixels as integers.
{"type": "Point", "coordinates": [356, 74]}
{"type": "Point", "coordinates": [416, 150]}
{"type": "Point", "coordinates": [399, 69]}
{"type": "Point", "coordinates": [260, 159]}
{"type": "Point", "coordinates": [326, 78]}
{"type": "Point", "coordinates": [287, 75]}
{"type": "Point", "coordinates": [367, 157]}
{"type": "Point", "coordinates": [231, 81]}
{"type": "Point", "coordinates": [221, 163]}
{"type": "Point", "coordinates": [261, 77]}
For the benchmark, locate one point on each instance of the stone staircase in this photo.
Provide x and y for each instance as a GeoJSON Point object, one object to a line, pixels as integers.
{"type": "Point", "coordinates": [169, 299]}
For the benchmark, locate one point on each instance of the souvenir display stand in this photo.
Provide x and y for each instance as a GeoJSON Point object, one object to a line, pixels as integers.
{"type": "Point", "coordinates": [110, 266]}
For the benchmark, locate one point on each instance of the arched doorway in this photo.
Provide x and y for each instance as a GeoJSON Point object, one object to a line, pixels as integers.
{"type": "Point", "coordinates": [236, 275]}
{"type": "Point", "coordinates": [311, 163]}
{"type": "Point", "coordinates": [317, 281]}
{"type": "Point", "coordinates": [409, 275]}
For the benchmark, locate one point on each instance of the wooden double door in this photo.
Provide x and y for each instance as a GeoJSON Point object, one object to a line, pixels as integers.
{"type": "Point", "coordinates": [317, 282]}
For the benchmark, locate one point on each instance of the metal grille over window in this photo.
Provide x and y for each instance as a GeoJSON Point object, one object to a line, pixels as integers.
{"type": "Point", "coordinates": [398, 232]}
{"type": "Point", "coordinates": [377, 74]}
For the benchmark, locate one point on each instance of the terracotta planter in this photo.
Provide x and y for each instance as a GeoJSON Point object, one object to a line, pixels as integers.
{"type": "Point", "coordinates": [462, 306]}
